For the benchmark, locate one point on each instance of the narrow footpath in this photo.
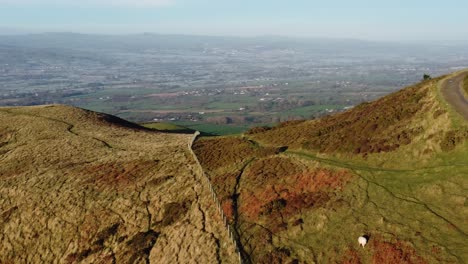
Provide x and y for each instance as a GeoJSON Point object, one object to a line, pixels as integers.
{"type": "Point", "coordinates": [452, 92]}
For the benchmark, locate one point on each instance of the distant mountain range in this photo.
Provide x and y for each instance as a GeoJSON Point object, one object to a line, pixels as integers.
{"type": "Point", "coordinates": [23, 38]}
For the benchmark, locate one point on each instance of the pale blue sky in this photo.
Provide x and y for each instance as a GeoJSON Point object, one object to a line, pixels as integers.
{"type": "Point", "coordinates": [361, 19]}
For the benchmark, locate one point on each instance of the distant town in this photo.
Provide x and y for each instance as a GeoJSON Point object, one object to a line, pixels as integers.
{"type": "Point", "coordinates": [206, 80]}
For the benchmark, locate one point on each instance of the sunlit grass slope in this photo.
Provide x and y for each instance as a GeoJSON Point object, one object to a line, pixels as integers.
{"type": "Point", "coordinates": [82, 187]}
{"type": "Point", "coordinates": [395, 169]}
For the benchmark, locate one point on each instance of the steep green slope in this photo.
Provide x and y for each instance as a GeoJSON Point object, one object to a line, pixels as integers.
{"type": "Point", "coordinates": [395, 169]}
{"type": "Point", "coordinates": [412, 124]}
{"type": "Point", "coordinates": [380, 126]}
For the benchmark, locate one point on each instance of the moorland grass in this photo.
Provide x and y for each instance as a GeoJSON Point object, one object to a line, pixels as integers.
{"type": "Point", "coordinates": [409, 200]}
{"type": "Point", "coordinates": [96, 181]}
{"type": "Point", "coordinates": [465, 87]}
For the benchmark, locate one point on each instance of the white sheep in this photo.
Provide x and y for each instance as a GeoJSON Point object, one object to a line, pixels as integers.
{"type": "Point", "coordinates": [362, 241]}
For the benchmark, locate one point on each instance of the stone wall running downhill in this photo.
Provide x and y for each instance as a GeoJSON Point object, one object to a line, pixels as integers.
{"type": "Point", "coordinates": [205, 181]}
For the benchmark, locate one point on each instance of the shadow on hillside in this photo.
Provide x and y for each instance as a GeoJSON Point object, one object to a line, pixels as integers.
{"type": "Point", "coordinates": [185, 131]}
{"type": "Point", "coordinates": [121, 122]}
{"type": "Point", "coordinates": [114, 120]}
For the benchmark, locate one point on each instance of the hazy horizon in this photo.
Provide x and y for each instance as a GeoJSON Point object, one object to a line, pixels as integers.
{"type": "Point", "coordinates": [5, 32]}
{"type": "Point", "coordinates": [399, 21]}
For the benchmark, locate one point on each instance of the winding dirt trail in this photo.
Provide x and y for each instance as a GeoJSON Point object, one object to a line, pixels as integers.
{"type": "Point", "coordinates": [452, 92]}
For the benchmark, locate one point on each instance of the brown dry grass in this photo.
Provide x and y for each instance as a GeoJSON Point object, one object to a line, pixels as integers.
{"type": "Point", "coordinates": [452, 139]}
{"type": "Point", "coordinates": [223, 158]}
{"type": "Point", "coordinates": [269, 195]}
{"type": "Point", "coordinates": [380, 251]}
{"type": "Point", "coordinates": [78, 186]}
{"type": "Point", "coordinates": [394, 252]}
{"type": "Point", "coordinates": [351, 257]}
{"type": "Point", "coordinates": [220, 152]}
{"type": "Point", "coordinates": [275, 190]}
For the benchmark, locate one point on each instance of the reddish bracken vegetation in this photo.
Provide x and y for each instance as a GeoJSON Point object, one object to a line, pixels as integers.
{"type": "Point", "coordinates": [277, 256]}
{"type": "Point", "coordinates": [263, 193]}
{"type": "Point", "coordinates": [351, 257]}
{"type": "Point", "coordinates": [116, 174]}
{"type": "Point", "coordinates": [384, 252]}
{"type": "Point", "coordinates": [380, 126]}
{"type": "Point", "coordinates": [224, 184]}
{"type": "Point", "coordinates": [278, 189]}
{"type": "Point", "coordinates": [394, 252]}
{"type": "Point", "coordinates": [228, 209]}
{"type": "Point", "coordinates": [230, 155]}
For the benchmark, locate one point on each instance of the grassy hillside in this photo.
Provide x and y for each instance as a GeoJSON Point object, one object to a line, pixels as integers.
{"type": "Point", "coordinates": [79, 186]}
{"type": "Point", "coordinates": [410, 123]}
{"type": "Point", "coordinates": [395, 169]}
{"type": "Point", "coordinates": [380, 126]}
{"type": "Point", "coordinates": [465, 87]}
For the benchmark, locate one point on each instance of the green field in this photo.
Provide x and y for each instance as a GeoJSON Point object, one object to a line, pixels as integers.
{"type": "Point", "coordinates": [213, 128]}
{"type": "Point", "coordinates": [297, 100]}
{"type": "Point", "coordinates": [191, 127]}
{"type": "Point", "coordinates": [307, 111]}
{"type": "Point", "coordinates": [168, 127]}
